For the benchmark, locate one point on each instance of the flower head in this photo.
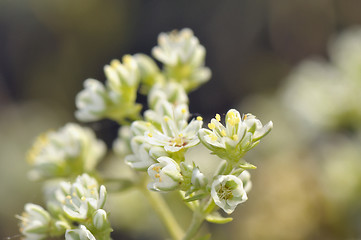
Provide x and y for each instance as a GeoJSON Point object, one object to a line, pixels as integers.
{"type": "Point", "coordinates": [239, 135]}
{"type": "Point", "coordinates": [115, 100]}
{"type": "Point", "coordinates": [69, 151]}
{"type": "Point", "coordinates": [35, 222]}
{"type": "Point", "coordinates": [183, 58]}
{"type": "Point", "coordinates": [227, 192]}
{"type": "Point", "coordinates": [82, 198]}
{"type": "Point", "coordinates": [171, 129]}
{"type": "Point", "coordinates": [165, 174]}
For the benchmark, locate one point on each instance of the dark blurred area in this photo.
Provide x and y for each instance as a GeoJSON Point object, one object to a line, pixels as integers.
{"type": "Point", "coordinates": [48, 48]}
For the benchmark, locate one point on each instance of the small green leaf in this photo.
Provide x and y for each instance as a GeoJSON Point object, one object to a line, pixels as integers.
{"type": "Point", "coordinates": [196, 197]}
{"type": "Point", "coordinates": [247, 165]}
{"type": "Point", "coordinates": [217, 218]}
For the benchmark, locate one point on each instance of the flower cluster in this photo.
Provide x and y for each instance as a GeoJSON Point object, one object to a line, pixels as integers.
{"type": "Point", "coordinates": [74, 209]}
{"type": "Point", "coordinates": [155, 143]}
{"type": "Point", "coordinates": [238, 136]}
{"type": "Point", "coordinates": [116, 100]}
{"type": "Point", "coordinates": [183, 58]}
{"type": "Point", "coordinates": [67, 152]}
{"type": "Point", "coordinates": [318, 89]}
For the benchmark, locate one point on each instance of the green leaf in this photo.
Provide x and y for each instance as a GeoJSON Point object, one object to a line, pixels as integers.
{"type": "Point", "coordinates": [247, 165]}
{"type": "Point", "coordinates": [215, 217]}
{"type": "Point", "coordinates": [196, 197]}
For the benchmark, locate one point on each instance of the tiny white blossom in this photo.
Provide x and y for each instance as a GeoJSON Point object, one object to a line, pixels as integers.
{"type": "Point", "coordinates": [239, 135]}
{"type": "Point", "coordinates": [183, 58]}
{"type": "Point", "coordinates": [165, 175]}
{"type": "Point", "coordinates": [175, 133]}
{"type": "Point", "coordinates": [35, 222]}
{"type": "Point", "coordinates": [115, 99]}
{"type": "Point", "coordinates": [227, 192]}
{"type": "Point", "coordinates": [69, 151]}
{"type": "Point", "coordinates": [141, 159]}
{"type": "Point", "coordinates": [91, 101]}
{"type": "Point", "coordinates": [81, 198]}
{"type": "Point", "coordinates": [81, 233]}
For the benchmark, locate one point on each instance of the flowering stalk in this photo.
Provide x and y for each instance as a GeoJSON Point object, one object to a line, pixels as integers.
{"type": "Point", "coordinates": [155, 144]}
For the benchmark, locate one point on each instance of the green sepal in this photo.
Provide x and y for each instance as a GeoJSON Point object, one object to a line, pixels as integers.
{"type": "Point", "coordinates": [195, 197]}
{"type": "Point", "coordinates": [247, 165]}
{"type": "Point", "coordinates": [215, 217]}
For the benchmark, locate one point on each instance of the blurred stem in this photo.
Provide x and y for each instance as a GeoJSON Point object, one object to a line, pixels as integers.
{"type": "Point", "coordinates": [198, 218]}
{"type": "Point", "coordinates": [164, 213]}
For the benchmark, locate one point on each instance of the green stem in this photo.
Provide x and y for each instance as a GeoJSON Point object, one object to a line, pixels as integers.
{"type": "Point", "coordinates": [196, 223]}
{"type": "Point", "coordinates": [198, 218]}
{"type": "Point", "coordinates": [164, 213]}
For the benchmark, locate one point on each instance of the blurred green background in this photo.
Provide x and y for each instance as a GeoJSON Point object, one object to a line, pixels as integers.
{"type": "Point", "coordinates": [308, 182]}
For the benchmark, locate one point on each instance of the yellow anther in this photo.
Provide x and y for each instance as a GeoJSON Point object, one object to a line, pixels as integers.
{"type": "Point", "coordinates": [71, 201]}
{"type": "Point", "coordinates": [150, 135]}
{"type": "Point", "coordinates": [156, 169]}
{"type": "Point", "coordinates": [234, 137]}
{"type": "Point", "coordinates": [166, 119]}
{"type": "Point", "coordinates": [180, 135]}
{"type": "Point", "coordinates": [127, 59]}
{"type": "Point", "coordinates": [211, 126]}
{"type": "Point", "coordinates": [68, 197]}
{"type": "Point", "coordinates": [245, 117]}
{"type": "Point", "coordinates": [231, 114]}
{"type": "Point", "coordinates": [184, 110]}
{"type": "Point", "coordinates": [223, 133]}
{"type": "Point", "coordinates": [213, 137]}
{"type": "Point", "coordinates": [83, 198]}
{"type": "Point", "coordinates": [115, 63]}
{"type": "Point", "coordinates": [218, 117]}
{"type": "Point", "coordinates": [158, 176]}
{"type": "Point", "coordinates": [148, 124]}
{"type": "Point", "coordinates": [199, 118]}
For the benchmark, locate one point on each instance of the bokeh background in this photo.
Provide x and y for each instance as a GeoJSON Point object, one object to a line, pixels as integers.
{"type": "Point", "coordinates": [308, 181]}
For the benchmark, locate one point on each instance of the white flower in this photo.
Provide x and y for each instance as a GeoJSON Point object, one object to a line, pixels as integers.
{"type": "Point", "coordinates": [122, 145]}
{"type": "Point", "coordinates": [81, 233]}
{"type": "Point", "coordinates": [183, 58]}
{"type": "Point", "coordinates": [174, 132]}
{"type": "Point", "coordinates": [227, 192]}
{"type": "Point", "coordinates": [91, 101]}
{"type": "Point", "coordinates": [239, 135]}
{"type": "Point", "coordinates": [165, 174]}
{"type": "Point", "coordinates": [35, 222]}
{"type": "Point", "coordinates": [69, 151]}
{"type": "Point", "coordinates": [115, 100]}
{"type": "Point", "coordinates": [198, 179]}
{"type": "Point", "coordinates": [82, 198]}
{"type": "Point", "coordinates": [100, 220]}
{"type": "Point", "coordinates": [325, 94]}
{"type": "Point", "coordinates": [245, 177]}
{"type": "Point", "coordinates": [140, 160]}
{"type": "Point", "coordinates": [172, 92]}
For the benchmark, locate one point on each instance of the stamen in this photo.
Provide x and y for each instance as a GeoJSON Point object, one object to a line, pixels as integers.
{"type": "Point", "coordinates": [166, 118]}
{"type": "Point", "coordinates": [150, 135]}
{"type": "Point", "coordinates": [211, 126]}
{"type": "Point", "coordinates": [184, 110]}
{"type": "Point", "coordinates": [199, 118]}
{"type": "Point", "coordinates": [213, 137]}
{"type": "Point", "coordinates": [218, 117]}
{"type": "Point", "coordinates": [223, 133]}
{"type": "Point", "coordinates": [235, 137]}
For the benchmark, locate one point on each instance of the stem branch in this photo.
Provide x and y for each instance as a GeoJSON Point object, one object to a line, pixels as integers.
{"type": "Point", "coordinates": [164, 213]}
